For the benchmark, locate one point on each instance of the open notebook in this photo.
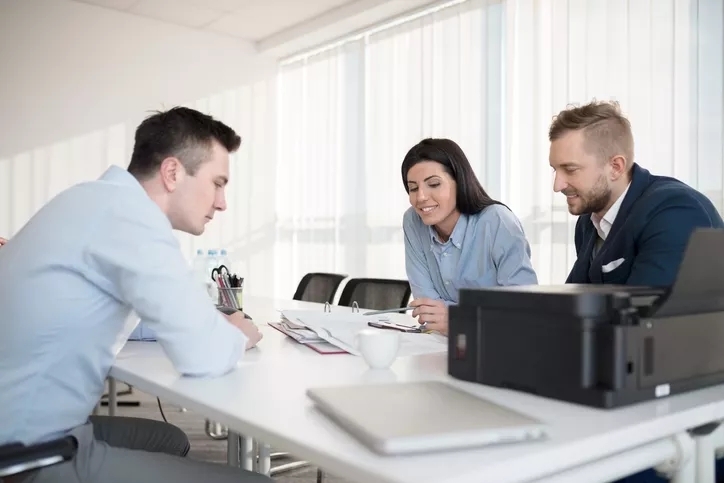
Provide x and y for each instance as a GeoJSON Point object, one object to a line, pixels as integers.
{"type": "Point", "coordinates": [340, 329]}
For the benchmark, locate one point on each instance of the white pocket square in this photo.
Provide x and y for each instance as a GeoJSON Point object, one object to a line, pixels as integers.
{"type": "Point", "coordinates": [610, 267]}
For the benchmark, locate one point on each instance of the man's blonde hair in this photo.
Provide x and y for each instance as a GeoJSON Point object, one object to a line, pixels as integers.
{"type": "Point", "coordinates": [606, 131]}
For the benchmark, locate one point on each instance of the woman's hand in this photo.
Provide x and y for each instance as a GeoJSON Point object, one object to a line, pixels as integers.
{"type": "Point", "coordinates": [3, 241]}
{"type": "Point", "coordinates": [432, 313]}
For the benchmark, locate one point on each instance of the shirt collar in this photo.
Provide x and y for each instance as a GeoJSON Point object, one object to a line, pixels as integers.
{"type": "Point", "coordinates": [117, 175]}
{"type": "Point", "coordinates": [120, 176]}
{"type": "Point", "coordinates": [457, 235]}
{"type": "Point", "coordinates": [603, 225]}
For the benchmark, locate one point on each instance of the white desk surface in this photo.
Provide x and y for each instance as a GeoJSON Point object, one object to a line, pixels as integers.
{"type": "Point", "coordinates": [265, 399]}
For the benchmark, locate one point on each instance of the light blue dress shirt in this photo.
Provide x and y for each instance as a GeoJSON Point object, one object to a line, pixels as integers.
{"type": "Point", "coordinates": [487, 249]}
{"type": "Point", "coordinates": [143, 332]}
{"type": "Point", "coordinates": [68, 281]}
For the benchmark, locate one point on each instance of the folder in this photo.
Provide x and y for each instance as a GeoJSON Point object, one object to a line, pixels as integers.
{"type": "Point", "coordinates": [339, 327]}
{"type": "Point", "coordinates": [318, 344]}
{"type": "Point", "coordinates": [304, 335]}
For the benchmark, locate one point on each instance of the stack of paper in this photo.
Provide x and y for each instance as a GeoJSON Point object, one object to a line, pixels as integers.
{"type": "Point", "coordinates": [341, 328]}
{"type": "Point", "coordinates": [299, 332]}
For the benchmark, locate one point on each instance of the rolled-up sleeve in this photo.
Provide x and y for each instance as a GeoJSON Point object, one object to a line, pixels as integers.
{"type": "Point", "coordinates": [138, 260]}
{"type": "Point", "coordinates": [511, 251]}
{"type": "Point", "coordinates": [418, 273]}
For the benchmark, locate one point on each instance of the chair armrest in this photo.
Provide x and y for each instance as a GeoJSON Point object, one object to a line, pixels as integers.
{"type": "Point", "coordinates": [16, 458]}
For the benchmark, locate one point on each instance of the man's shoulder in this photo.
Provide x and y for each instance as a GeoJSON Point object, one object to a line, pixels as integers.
{"type": "Point", "coordinates": [669, 204]}
{"type": "Point", "coordinates": [664, 191]}
{"type": "Point", "coordinates": [89, 199]}
{"type": "Point", "coordinates": [100, 205]}
{"type": "Point", "coordinates": [663, 186]}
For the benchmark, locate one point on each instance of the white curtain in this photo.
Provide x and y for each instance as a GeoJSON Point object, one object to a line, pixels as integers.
{"type": "Point", "coordinates": [489, 75]}
{"type": "Point", "coordinates": [661, 59]}
{"type": "Point", "coordinates": [247, 229]}
{"type": "Point", "coordinates": [312, 156]}
{"type": "Point", "coordinates": [347, 117]}
{"type": "Point", "coordinates": [438, 76]}
{"type": "Point", "coordinates": [316, 185]}
{"type": "Point", "coordinates": [29, 179]}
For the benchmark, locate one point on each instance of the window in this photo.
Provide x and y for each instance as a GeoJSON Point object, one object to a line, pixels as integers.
{"type": "Point", "coordinates": [347, 117]}
{"type": "Point", "coordinates": [489, 75]}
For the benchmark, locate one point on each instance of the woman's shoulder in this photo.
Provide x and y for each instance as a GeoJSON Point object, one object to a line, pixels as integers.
{"type": "Point", "coordinates": [496, 216]}
{"type": "Point", "coordinates": [411, 219]}
{"type": "Point", "coordinates": [496, 212]}
{"type": "Point", "coordinates": [413, 229]}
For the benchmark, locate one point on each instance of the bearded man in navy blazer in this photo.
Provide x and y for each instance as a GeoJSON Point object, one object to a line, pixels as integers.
{"type": "Point", "coordinates": [633, 226]}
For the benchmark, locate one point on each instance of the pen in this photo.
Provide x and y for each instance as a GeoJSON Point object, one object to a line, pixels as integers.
{"type": "Point", "coordinates": [389, 311]}
{"type": "Point", "coordinates": [392, 326]}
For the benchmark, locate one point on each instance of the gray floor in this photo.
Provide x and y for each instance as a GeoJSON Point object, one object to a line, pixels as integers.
{"type": "Point", "coordinates": [203, 447]}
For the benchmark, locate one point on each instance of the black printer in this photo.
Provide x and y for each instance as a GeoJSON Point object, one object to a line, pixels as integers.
{"type": "Point", "coordinates": [598, 345]}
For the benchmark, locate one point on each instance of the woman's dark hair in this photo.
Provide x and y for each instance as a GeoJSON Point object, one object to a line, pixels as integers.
{"type": "Point", "coordinates": [471, 197]}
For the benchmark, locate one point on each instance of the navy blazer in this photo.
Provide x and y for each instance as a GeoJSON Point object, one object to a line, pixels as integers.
{"type": "Point", "coordinates": [650, 233]}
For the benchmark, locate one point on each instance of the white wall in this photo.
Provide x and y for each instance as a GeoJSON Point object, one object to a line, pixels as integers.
{"type": "Point", "coordinates": [75, 81]}
{"type": "Point", "coordinates": [68, 68]}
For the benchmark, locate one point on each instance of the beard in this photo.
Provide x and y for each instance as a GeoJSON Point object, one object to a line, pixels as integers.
{"type": "Point", "coordinates": [595, 200]}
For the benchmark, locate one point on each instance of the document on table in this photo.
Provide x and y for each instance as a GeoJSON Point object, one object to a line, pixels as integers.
{"type": "Point", "coordinates": [341, 329]}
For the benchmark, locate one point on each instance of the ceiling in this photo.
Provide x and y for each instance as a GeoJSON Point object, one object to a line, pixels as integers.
{"type": "Point", "coordinates": [252, 20]}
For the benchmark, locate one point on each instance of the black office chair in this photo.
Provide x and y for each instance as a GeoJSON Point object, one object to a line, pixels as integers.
{"type": "Point", "coordinates": [319, 287]}
{"type": "Point", "coordinates": [376, 293]}
{"type": "Point", "coordinates": [16, 458]}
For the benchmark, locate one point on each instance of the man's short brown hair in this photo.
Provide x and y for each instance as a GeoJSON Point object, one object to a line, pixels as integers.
{"type": "Point", "coordinates": [181, 132]}
{"type": "Point", "coordinates": [607, 132]}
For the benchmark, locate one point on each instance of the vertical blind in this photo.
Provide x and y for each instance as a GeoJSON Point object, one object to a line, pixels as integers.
{"type": "Point", "coordinates": [490, 75]}
{"type": "Point", "coordinates": [316, 185]}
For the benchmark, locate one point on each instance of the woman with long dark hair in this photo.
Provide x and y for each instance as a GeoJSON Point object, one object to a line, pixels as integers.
{"type": "Point", "coordinates": [456, 236]}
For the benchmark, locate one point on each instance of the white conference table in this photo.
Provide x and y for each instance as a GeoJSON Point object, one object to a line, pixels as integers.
{"type": "Point", "coordinates": [265, 399]}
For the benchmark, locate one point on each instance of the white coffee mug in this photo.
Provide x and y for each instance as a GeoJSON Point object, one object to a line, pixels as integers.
{"type": "Point", "coordinates": [379, 347]}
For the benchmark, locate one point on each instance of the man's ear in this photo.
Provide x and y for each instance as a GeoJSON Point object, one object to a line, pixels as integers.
{"type": "Point", "coordinates": [171, 173]}
{"type": "Point", "coordinates": [618, 167]}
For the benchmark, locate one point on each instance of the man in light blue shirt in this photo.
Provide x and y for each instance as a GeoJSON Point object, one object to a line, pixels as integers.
{"type": "Point", "coordinates": [72, 275]}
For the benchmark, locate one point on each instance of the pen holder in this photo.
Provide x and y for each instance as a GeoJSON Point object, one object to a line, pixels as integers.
{"type": "Point", "coordinates": [231, 297]}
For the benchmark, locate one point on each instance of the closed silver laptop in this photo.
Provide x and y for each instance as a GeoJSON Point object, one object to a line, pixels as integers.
{"type": "Point", "coordinates": [418, 417]}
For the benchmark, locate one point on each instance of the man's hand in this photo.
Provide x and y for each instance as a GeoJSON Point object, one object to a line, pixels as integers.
{"type": "Point", "coordinates": [3, 241]}
{"type": "Point", "coordinates": [250, 330]}
{"type": "Point", "coordinates": [432, 313]}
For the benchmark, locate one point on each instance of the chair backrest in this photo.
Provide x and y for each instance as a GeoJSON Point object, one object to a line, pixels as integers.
{"type": "Point", "coordinates": [319, 287]}
{"type": "Point", "coordinates": [376, 293]}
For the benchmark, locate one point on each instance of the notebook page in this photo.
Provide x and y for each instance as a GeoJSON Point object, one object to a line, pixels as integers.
{"type": "Point", "coordinates": [341, 329]}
